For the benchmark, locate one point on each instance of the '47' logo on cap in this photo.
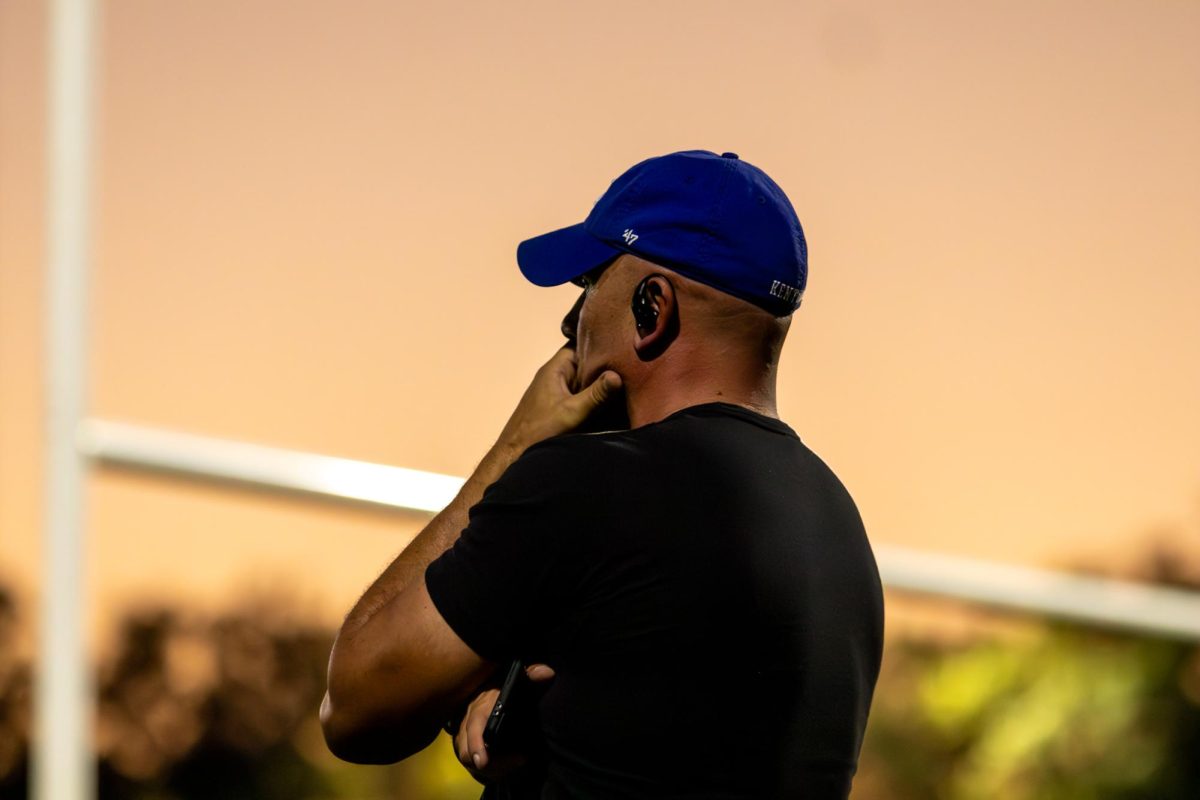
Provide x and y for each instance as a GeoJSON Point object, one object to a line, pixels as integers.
{"type": "Point", "coordinates": [629, 236]}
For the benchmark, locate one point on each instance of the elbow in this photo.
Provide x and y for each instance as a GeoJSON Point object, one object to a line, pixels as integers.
{"type": "Point", "coordinates": [363, 729]}
{"type": "Point", "coordinates": [342, 736]}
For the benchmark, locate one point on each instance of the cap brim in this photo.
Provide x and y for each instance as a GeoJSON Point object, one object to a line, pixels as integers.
{"type": "Point", "coordinates": [562, 255]}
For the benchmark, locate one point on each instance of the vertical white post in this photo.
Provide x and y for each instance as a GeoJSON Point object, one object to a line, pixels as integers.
{"type": "Point", "coordinates": [63, 764]}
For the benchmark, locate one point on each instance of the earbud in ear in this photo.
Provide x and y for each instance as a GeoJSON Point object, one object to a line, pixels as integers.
{"type": "Point", "coordinates": [645, 315]}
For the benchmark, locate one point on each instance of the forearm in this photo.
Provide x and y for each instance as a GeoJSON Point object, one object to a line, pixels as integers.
{"type": "Point", "coordinates": [434, 539]}
{"type": "Point", "coordinates": [547, 409]}
{"type": "Point", "coordinates": [397, 668]}
{"type": "Point", "coordinates": [368, 715]}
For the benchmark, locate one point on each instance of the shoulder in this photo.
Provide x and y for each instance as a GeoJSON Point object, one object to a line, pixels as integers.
{"type": "Point", "coordinates": [577, 452]}
{"type": "Point", "coordinates": [567, 467]}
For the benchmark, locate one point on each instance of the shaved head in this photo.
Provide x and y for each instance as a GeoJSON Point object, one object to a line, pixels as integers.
{"type": "Point", "coordinates": [699, 345]}
{"type": "Point", "coordinates": [732, 326]}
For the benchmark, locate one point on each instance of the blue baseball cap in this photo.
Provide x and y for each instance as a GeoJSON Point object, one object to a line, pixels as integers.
{"type": "Point", "coordinates": [714, 218]}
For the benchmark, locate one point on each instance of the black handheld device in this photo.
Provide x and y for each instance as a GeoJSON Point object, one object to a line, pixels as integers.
{"type": "Point", "coordinates": [513, 718]}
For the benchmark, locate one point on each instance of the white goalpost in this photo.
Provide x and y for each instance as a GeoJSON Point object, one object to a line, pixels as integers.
{"type": "Point", "coordinates": [63, 764]}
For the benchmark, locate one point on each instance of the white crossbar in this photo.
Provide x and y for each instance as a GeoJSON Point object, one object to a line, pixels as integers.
{"type": "Point", "coordinates": [1143, 608]}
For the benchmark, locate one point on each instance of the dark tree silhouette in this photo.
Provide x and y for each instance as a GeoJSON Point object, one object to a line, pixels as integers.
{"type": "Point", "coordinates": [198, 708]}
{"type": "Point", "coordinates": [14, 705]}
{"type": "Point", "coordinates": [193, 706]}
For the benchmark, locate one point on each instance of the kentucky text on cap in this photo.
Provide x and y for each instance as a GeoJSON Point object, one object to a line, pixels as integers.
{"type": "Point", "coordinates": [714, 218]}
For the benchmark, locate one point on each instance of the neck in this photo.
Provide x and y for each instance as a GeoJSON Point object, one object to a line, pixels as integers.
{"type": "Point", "coordinates": [669, 388]}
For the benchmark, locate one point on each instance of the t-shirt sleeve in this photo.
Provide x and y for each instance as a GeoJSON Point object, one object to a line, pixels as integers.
{"type": "Point", "coordinates": [502, 581]}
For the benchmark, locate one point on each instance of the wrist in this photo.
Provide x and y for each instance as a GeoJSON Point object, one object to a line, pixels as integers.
{"type": "Point", "coordinates": [499, 458]}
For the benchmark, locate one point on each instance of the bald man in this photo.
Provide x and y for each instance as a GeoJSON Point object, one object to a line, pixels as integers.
{"type": "Point", "coordinates": [697, 591]}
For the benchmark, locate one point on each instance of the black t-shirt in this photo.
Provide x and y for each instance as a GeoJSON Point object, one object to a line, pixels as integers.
{"type": "Point", "coordinates": [705, 591]}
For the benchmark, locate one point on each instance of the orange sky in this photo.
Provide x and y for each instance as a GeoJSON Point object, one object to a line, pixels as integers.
{"type": "Point", "coordinates": [307, 214]}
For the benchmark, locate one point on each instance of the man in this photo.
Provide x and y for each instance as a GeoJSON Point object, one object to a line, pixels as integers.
{"type": "Point", "coordinates": [699, 586]}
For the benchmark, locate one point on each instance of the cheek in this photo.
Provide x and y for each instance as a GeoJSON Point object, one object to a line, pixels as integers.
{"type": "Point", "coordinates": [590, 338]}
{"type": "Point", "coordinates": [591, 317]}
{"type": "Point", "coordinates": [598, 330]}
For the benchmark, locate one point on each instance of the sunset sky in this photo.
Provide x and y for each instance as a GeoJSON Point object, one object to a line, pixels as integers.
{"type": "Point", "coordinates": [307, 214]}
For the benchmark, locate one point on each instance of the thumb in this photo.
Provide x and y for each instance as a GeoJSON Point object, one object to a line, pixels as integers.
{"type": "Point", "coordinates": [539, 672]}
{"type": "Point", "coordinates": [604, 387]}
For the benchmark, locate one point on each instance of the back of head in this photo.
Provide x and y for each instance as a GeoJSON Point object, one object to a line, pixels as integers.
{"type": "Point", "coordinates": [678, 329]}
{"type": "Point", "coordinates": [729, 326]}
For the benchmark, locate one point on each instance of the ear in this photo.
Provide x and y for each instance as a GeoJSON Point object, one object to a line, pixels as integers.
{"type": "Point", "coordinates": [651, 340]}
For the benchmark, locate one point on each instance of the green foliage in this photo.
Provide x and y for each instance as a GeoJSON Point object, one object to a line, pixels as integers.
{"type": "Point", "coordinates": [1066, 713]}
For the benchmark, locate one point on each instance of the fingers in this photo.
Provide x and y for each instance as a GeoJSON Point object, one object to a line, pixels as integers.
{"type": "Point", "coordinates": [563, 360]}
{"type": "Point", "coordinates": [600, 391]}
{"type": "Point", "coordinates": [596, 394]}
{"type": "Point", "coordinates": [550, 406]}
{"type": "Point", "coordinates": [609, 384]}
{"type": "Point", "coordinates": [475, 726]}
{"type": "Point", "coordinates": [460, 744]}
{"type": "Point", "coordinates": [469, 741]}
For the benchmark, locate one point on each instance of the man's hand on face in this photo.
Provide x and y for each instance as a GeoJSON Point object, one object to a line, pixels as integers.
{"type": "Point", "coordinates": [549, 407]}
{"type": "Point", "coordinates": [468, 742]}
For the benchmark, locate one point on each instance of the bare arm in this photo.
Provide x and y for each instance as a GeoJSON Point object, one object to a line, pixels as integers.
{"type": "Point", "coordinates": [397, 669]}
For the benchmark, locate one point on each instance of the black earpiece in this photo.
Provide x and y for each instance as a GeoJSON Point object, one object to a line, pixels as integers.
{"type": "Point", "coordinates": [645, 315]}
